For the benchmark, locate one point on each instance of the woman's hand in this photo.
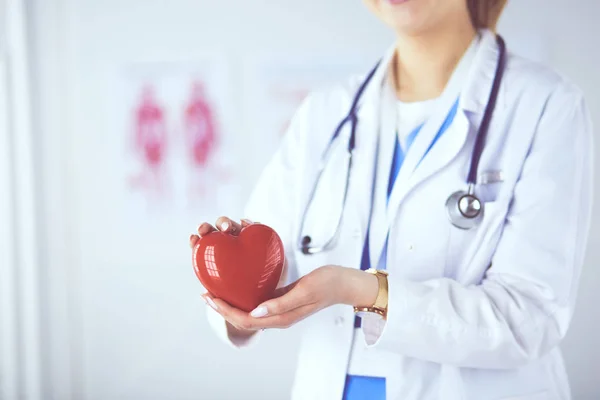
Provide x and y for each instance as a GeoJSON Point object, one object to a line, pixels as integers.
{"type": "Point", "coordinates": [315, 291]}
{"type": "Point", "coordinates": [319, 289]}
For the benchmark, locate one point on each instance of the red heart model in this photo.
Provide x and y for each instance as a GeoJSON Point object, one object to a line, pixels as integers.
{"type": "Point", "coordinates": [242, 270]}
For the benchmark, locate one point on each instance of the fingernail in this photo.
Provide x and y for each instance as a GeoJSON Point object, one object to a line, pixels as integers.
{"type": "Point", "coordinates": [247, 221]}
{"type": "Point", "coordinates": [211, 303]}
{"type": "Point", "coordinates": [224, 226]}
{"type": "Point", "coordinates": [259, 312]}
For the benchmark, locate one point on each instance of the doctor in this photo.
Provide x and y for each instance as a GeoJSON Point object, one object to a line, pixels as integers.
{"type": "Point", "coordinates": [443, 261]}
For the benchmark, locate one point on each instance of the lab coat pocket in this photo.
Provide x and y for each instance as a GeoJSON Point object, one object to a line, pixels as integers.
{"type": "Point", "coordinates": [490, 192]}
{"type": "Point", "coordinates": [480, 241]}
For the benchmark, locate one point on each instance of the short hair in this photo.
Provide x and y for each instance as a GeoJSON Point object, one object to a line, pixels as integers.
{"type": "Point", "coordinates": [485, 13]}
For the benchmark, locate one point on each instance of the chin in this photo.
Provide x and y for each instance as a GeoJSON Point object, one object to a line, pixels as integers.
{"type": "Point", "coordinates": [409, 26]}
{"type": "Point", "coordinates": [409, 29]}
{"type": "Point", "coordinates": [407, 18]}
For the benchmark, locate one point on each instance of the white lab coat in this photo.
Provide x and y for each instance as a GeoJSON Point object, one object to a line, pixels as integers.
{"type": "Point", "coordinates": [473, 314]}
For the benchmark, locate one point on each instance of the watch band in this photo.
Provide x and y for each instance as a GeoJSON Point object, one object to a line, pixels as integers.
{"type": "Point", "coordinates": [381, 302]}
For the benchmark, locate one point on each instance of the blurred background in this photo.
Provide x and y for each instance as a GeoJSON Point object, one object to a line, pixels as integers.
{"type": "Point", "coordinates": [125, 123]}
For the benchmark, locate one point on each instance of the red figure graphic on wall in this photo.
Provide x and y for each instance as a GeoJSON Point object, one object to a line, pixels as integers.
{"type": "Point", "coordinates": [200, 135]}
{"type": "Point", "coordinates": [150, 141]}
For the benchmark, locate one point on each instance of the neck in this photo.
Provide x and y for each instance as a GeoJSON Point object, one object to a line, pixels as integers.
{"type": "Point", "coordinates": [424, 63]}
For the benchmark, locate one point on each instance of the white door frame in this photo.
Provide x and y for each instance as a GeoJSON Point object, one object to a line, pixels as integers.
{"type": "Point", "coordinates": [23, 353]}
{"type": "Point", "coordinates": [9, 367]}
{"type": "Point", "coordinates": [50, 39]}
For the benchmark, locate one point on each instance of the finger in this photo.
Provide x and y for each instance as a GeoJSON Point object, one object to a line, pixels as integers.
{"type": "Point", "coordinates": [193, 240]}
{"type": "Point", "coordinates": [210, 301]}
{"type": "Point", "coordinates": [205, 228]}
{"type": "Point", "coordinates": [243, 320]}
{"type": "Point", "coordinates": [286, 320]}
{"type": "Point", "coordinates": [227, 225]}
{"type": "Point", "coordinates": [238, 318]}
{"type": "Point", "coordinates": [246, 222]}
{"type": "Point", "coordinates": [293, 298]}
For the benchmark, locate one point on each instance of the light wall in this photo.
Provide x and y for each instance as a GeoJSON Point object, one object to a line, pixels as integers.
{"type": "Point", "coordinates": [123, 318]}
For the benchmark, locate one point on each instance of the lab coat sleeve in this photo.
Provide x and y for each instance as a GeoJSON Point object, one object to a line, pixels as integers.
{"type": "Point", "coordinates": [271, 203]}
{"type": "Point", "coordinates": [522, 308]}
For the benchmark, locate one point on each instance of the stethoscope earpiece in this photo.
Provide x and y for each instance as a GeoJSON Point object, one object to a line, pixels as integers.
{"type": "Point", "coordinates": [465, 210]}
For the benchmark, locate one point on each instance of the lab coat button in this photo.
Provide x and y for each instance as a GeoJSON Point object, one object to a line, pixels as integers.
{"type": "Point", "coordinates": [339, 321]}
{"type": "Point", "coordinates": [411, 247]}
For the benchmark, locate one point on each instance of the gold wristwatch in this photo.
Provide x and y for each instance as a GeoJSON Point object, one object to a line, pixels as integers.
{"type": "Point", "coordinates": [381, 302]}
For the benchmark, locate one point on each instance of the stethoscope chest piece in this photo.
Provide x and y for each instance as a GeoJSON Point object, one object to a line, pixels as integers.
{"type": "Point", "coordinates": [465, 210]}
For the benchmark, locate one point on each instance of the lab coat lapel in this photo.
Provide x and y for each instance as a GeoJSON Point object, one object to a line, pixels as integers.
{"type": "Point", "coordinates": [363, 163]}
{"type": "Point", "coordinates": [445, 149]}
{"type": "Point", "coordinates": [367, 136]}
{"type": "Point", "coordinates": [387, 140]}
{"type": "Point", "coordinates": [447, 146]}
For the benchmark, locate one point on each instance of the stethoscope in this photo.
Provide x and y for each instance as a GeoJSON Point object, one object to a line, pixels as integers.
{"type": "Point", "coordinates": [465, 210]}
